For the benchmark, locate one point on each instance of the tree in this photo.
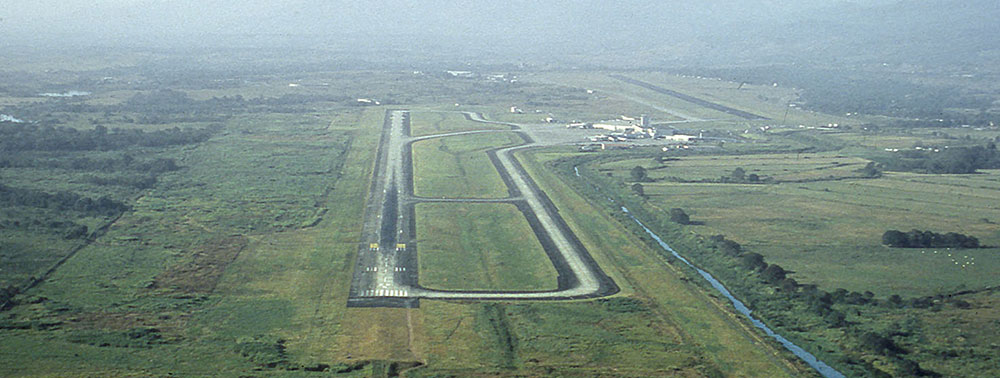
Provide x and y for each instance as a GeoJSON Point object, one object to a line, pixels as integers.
{"type": "Point", "coordinates": [835, 319]}
{"type": "Point", "coordinates": [895, 300]}
{"type": "Point", "coordinates": [678, 215]}
{"type": "Point", "coordinates": [880, 344]}
{"type": "Point", "coordinates": [638, 189]}
{"type": "Point", "coordinates": [738, 175]}
{"type": "Point", "coordinates": [789, 285]}
{"type": "Point", "coordinates": [895, 239]}
{"type": "Point", "coordinates": [639, 173]}
{"type": "Point", "coordinates": [730, 247]}
{"type": "Point", "coordinates": [872, 170]}
{"type": "Point", "coordinates": [77, 232]}
{"type": "Point", "coordinates": [773, 274]}
{"type": "Point", "coordinates": [754, 261]}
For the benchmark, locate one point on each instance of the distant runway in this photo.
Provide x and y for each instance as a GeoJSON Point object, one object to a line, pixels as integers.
{"type": "Point", "coordinates": [691, 99]}
{"type": "Point", "coordinates": [386, 274]}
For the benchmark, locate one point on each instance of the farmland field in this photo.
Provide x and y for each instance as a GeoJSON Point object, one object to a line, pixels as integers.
{"type": "Point", "coordinates": [828, 229]}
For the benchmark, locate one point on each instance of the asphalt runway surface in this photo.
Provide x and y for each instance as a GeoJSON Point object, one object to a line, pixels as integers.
{"type": "Point", "coordinates": [387, 273]}
{"type": "Point", "coordinates": [691, 99]}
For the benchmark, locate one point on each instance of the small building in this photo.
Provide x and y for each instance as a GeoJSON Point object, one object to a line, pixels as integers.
{"type": "Point", "coordinates": [463, 74]}
{"type": "Point", "coordinates": [679, 138]}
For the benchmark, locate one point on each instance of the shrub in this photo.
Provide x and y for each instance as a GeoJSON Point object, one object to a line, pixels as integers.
{"type": "Point", "coordinates": [678, 215]}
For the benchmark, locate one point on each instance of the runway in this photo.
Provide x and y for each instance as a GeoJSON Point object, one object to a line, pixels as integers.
{"type": "Point", "coordinates": [386, 274]}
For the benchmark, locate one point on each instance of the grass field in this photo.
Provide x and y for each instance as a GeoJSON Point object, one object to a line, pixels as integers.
{"type": "Point", "coordinates": [780, 167]}
{"type": "Point", "coordinates": [458, 166]}
{"type": "Point", "coordinates": [829, 232]}
{"type": "Point", "coordinates": [257, 259]}
{"type": "Point", "coordinates": [708, 331]}
{"type": "Point", "coordinates": [239, 264]}
{"type": "Point", "coordinates": [430, 123]}
{"type": "Point", "coordinates": [480, 247]}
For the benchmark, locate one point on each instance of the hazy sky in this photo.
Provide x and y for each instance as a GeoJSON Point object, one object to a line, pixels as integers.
{"type": "Point", "coordinates": [123, 19]}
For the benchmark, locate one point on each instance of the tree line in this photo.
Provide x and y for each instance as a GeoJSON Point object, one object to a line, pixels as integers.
{"type": "Point", "coordinates": [928, 239]}
{"type": "Point", "coordinates": [30, 137]}
{"type": "Point", "coordinates": [125, 162]}
{"type": "Point", "coordinates": [61, 201]}
{"type": "Point", "coordinates": [955, 160]}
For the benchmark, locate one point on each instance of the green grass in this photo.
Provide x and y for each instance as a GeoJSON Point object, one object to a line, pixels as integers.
{"type": "Point", "coordinates": [480, 247]}
{"type": "Point", "coordinates": [458, 166]}
{"type": "Point", "coordinates": [430, 123]}
{"type": "Point", "coordinates": [276, 182]}
{"type": "Point", "coordinates": [724, 342]}
{"type": "Point", "coordinates": [780, 167]}
{"type": "Point", "coordinates": [829, 232]}
{"type": "Point", "coordinates": [30, 253]}
{"type": "Point", "coordinates": [285, 187]}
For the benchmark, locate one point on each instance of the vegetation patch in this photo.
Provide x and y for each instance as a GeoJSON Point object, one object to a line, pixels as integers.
{"type": "Point", "coordinates": [852, 329]}
{"type": "Point", "coordinates": [624, 304]}
{"type": "Point", "coordinates": [132, 338]}
{"type": "Point", "coordinates": [203, 273]}
{"type": "Point", "coordinates": [928, 239]}
{"type": "Point", "coordinates": [264, 351]}
{"type": "Point", "coordinates": [492, 321]}
{"type": "Point", "coordinates": [459, 167]}
{"type": "Point", "coordinates": [430, 123]}
{"type": "Point", "coordinates": [480, 247]}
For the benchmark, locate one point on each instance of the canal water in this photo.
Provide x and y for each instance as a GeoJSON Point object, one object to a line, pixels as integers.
{"type": "Point", "coordinates": [820, 366]}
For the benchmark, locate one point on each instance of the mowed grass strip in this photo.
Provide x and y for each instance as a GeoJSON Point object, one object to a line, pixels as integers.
{"type": "Point", "coordinates": [459, 167]}
{"type": "Point", "coordinates": [480, 247]}
{"type": "Point", "coordinates": [829, 232]}
{"type": "Point", "coordinates": [431, 123]}
{"type": "Point", "coordinates": [701, 329]}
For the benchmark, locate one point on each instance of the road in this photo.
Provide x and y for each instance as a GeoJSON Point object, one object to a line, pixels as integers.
{"type": "Point", "coordinates": [386, 273]}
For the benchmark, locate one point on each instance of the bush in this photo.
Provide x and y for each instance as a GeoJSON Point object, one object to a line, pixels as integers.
{"type": "Point", "coordinates": [754, 261]}
{"type": "Point", "coordinates": [773, 274]}
{"type": "Point", "coordinates": [133, 338]}
{"type": "Point", "coordinates": [624, 305]}
{"type": "Point", "coordinates": [880, 345]}
{"type": "Point", "coordinates": [835, 319]}
{"type": "Point", "coordinates": [678, 215]}
{"type": "Point", "coordinates": [262, 350]}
